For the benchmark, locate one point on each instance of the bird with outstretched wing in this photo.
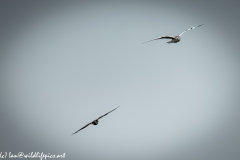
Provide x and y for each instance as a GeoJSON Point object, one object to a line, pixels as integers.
{"type": "Point", "coordinates": [176, 38]}
{"type": "Point", "coordinates": [95, 122]}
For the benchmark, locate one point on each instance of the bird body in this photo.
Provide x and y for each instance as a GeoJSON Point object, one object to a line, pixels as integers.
{"type": "Point", "coordinates": [95, 122]}
{"type": "Point", "coordinates": [174, 39]}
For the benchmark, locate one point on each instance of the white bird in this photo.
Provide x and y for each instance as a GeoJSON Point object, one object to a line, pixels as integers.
{"type": "Point", "coordinates": [95, 122]}
{"type": "Point", "coordinates": [176, 38]}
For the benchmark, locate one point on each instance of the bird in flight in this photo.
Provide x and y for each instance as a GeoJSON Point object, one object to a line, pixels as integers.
{"type": "Point", "coordinates": [176, 38]}
{"type": "Point", "coordinates": [95, 122]}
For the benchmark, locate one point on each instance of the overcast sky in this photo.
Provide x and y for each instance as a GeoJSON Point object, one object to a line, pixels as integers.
{"type": "Point", "coordinates": [65, 63]}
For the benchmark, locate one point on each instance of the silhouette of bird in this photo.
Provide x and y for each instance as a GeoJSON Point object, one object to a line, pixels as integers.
{"type": "Point", "coordinates": [95, 122]}
{"type": "Point", "coordinates": [174, 39]}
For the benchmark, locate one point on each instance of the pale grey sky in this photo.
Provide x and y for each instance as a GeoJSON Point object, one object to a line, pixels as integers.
{"type": "Point", "coordinates": [63, 64]}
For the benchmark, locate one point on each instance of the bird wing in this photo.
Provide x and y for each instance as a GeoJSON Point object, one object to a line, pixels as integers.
{"type": "Point", "coordinates": [189, 29]}
{"type": "Point", "coordinates": [106, 113]}
{"type": "Point", "coordinates": [82, 128]}
{"type": "Point", "coordinates": [164, 37]}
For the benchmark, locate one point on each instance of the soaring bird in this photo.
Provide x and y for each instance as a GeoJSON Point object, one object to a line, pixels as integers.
{"type": "Point", "coordinates": [174, 39]}
{"type": "Point", "coordinates": [95, 122]}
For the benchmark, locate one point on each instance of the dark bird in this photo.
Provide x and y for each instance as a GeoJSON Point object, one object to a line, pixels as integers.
{"type": "Point", "coordinates": [95, 122]}
{"type": "Point", "coordinates": [174, 39]}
